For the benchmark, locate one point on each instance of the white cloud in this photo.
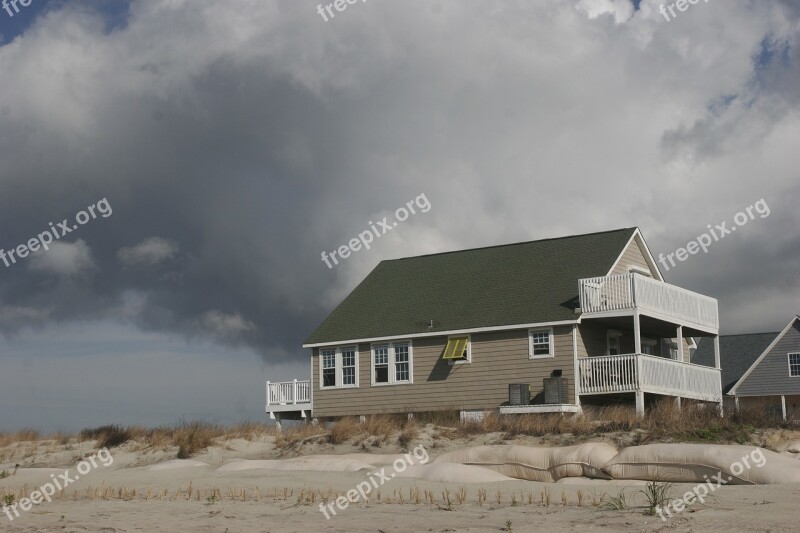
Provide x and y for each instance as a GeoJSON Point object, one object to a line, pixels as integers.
{"type": "Point", "coordinates": [64, 259]}
{"type": "Point", "coordinates": [226, 325]}
{"type": "Point", "coordinates": [147, 253]}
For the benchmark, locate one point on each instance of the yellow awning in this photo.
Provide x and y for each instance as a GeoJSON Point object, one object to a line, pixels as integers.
{"type": "Point", "coordinates": [455, 348]}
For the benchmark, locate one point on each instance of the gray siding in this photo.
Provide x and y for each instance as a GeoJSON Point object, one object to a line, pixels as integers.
{"type": "Point", "coordinates": [498, 359]}
{"type": "Point", "coordinates": [771, 376]}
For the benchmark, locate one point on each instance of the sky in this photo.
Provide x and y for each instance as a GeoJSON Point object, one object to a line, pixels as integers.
{"type": "Point", "coordinates": [222, 146]}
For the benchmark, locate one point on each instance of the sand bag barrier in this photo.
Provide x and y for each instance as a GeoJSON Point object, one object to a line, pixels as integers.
{"type": "Point", "coordinates": [537, 464]}
{"type": "Point", "coordinates": [697, 463]}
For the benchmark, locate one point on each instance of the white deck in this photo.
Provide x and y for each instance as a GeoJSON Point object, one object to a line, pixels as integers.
{"type": "Point", "coordinates": [621, 294]}
{"type": "Point", "coordinates": [288, 396]}
{"type": "Point", "coordinates": [610, 374]}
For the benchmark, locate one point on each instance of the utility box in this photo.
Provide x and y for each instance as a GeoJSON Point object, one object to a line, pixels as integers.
{"type": "Point", "coordinates": [556, 390]}
{"type": "Point", "coordinates": [519, 394]}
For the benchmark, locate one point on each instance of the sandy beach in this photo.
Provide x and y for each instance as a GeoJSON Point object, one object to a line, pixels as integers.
{"type": "Point", "coordinates": [252, 485]}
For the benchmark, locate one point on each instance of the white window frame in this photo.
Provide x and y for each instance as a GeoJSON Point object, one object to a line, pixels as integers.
{"type": "Point", "coordinates": [466, 361]}
{"type": "Point", "coordinates": [339, 381]}
{"type": "Point", "coordinates": [789, 357]}
{"type": "Point", "coordinates": [322, 368]}
{"type": "Point", "coordinates": [550, 344]}
{"type": "Point", "coordinates": [392, 363]}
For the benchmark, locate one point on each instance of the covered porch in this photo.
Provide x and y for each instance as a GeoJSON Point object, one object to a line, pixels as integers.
{"type": "Point", "coordinates": [647, 309]}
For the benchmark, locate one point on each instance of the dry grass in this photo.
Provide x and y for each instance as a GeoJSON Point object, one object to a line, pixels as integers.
{"type": "Point", "coordinates": [663, 422]}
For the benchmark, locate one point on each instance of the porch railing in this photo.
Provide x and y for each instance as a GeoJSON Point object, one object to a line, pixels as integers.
{"type": "Point", "coordinates": [288, 392]}
{"type": "Point", "coordinates": [628, 291]}
{"type": "Point", "coordinates": [648, 373]}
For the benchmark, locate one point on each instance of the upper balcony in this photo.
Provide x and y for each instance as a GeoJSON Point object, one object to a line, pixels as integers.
{"type": "Point", "coordinates": [622, 294]}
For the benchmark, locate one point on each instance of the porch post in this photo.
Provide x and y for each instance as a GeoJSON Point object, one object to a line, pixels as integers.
{"type": "Point", "coordinates": [575, 364]}
{"type": "Point", "coordinates": [783, 406]}
{"type": "Point", "coordinates": [716, 352]}
{"type": "Point", "coordinates": [639, 403]}
{"type": "Point", "coordinates": [637, 333]}
{"type": "Point", "coordinates": [680, 344]}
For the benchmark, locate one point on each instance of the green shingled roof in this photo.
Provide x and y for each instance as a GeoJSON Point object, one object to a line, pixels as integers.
{"type": "Point", "coordinates": [521, 283]}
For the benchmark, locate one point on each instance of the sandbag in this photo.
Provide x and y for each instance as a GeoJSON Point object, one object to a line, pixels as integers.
{"type": "Point", "coordinates": [793, 446]}
{"type": "Point", "coordinates": [697, 463]}
{"type": "Point", "coordinates": [537, 464]}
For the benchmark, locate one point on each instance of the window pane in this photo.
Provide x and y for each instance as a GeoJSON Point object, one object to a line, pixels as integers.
{"type": "Point", "coordinates": [348, 376]}
{"type": "Point", "coordinates": [329, 377]}
{"type": "Point", "coordinates": [328, 359]}
{"type": "Point", "coordinates": [382, 374]}
{"type": "Point", "coordinates": [381, 355]}
{"type": "Point", "coordinates": [794, 364]}
{"type": "Point", "coordinates": [401, 372]}
{"type": "Point", "coordinates": [401, 353]}
{"type": "Point", "coordinates": [541, 342]}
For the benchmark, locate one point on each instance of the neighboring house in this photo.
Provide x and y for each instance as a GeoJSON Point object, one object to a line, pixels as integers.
{"type": "Point", "coordinates": [574, 320]}
{"type": "Point", "coordinates": [737, 354]}
{"type": "Point", "coordinates": [775, 376]}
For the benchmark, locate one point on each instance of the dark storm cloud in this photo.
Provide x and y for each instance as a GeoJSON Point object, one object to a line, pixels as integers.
{"type": "Point", "coordinates": [236, 142]}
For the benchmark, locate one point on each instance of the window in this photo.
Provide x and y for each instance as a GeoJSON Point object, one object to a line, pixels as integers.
{"type": "Point", "coordinates": [614, 342]}
{"type": "Point", "coordinates": [339, 367]}
{"type": "Point", "coordinates": [329, 368]}
{"type": "Point", "coordinates": [794, 364]}
{"type": "Point", "coordinates": [380, 369]}
{"type": "Point", "coordinates": [401, 362]}
{"type": "Point", "coordinates": [540, 343]}
{"type": "Point", "coordinates": [391, 363]}
{"type": "Point", "coordinates": [348, 366]}
{"type": "Point", "coordinates": [458, 350]}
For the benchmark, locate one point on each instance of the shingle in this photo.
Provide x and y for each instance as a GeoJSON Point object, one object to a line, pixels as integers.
{"type": "Point", "coordinates": [736, 353]}
{"type": "Point", "coordinates": [510, 284]}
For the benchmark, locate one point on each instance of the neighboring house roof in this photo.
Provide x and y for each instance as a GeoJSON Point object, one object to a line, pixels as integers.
{"type": "Point", "coordinates": [513, 284]}
{"type": "Point", "coordinates": [764, 353]}
{"type": "Point", "coordinates": [736, 353]}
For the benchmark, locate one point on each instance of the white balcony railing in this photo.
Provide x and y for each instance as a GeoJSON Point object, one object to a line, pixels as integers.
{"type": "Point", "coordinates": [283, 393]}
{"type": "Point", "coordinates": [648, 373]}
{"type": "Point", "coordinates": [628, 291]}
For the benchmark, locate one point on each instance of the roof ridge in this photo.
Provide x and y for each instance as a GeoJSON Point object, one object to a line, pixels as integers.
{"type": "Point", "coordinates": [520, 243]}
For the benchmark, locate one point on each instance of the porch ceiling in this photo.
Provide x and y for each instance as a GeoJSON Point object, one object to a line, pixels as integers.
{"type": "Point", "coordinates": [650, 327]}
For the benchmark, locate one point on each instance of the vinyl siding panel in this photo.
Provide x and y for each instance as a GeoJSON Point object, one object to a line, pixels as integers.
{"type": "Point", "coordinates": [632, 256]}
{"type": "Point", "coordinates": [771, 376]}
{"type": "Point", "coordinates": [498, 359]}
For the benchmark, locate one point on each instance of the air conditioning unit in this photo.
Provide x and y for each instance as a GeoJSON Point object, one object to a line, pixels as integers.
{"type": "Point", "coordinates": [519, 394]}
{"type": "Point", "coordinates": [556, 390]}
